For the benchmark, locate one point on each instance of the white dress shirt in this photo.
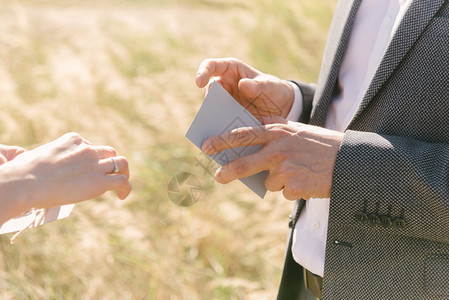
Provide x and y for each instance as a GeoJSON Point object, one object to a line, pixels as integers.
{"type": "Point", "coordinates": [374, 26]}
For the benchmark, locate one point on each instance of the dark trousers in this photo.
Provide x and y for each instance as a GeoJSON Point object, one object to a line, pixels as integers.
{"type": "Point", "coordinates": [292, 281]}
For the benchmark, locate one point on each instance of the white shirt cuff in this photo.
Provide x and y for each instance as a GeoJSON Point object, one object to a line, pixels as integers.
{"type": "Point", "coordinates": [296, 110]}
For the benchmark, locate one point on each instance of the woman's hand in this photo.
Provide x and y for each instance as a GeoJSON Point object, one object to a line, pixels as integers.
{"type": "Point", "coordinates": [8, 153]}
{"type": "Point", "coordinates": [67, 170]}
{"type": "Point", "coordinates": [261, 94]}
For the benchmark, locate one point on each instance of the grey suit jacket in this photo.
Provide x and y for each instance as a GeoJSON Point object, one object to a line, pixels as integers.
{"type": "Point", "coordinates": [388, 235]}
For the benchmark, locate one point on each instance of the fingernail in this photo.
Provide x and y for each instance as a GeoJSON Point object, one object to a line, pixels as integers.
{"type": "Point", "coordinates": [198, 79]}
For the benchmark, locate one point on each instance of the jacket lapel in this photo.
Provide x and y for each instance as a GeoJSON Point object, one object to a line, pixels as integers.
{"type": "Point", "coordinates": [339, 34]}
{"type": "Point", "coordinates": [413, 24]}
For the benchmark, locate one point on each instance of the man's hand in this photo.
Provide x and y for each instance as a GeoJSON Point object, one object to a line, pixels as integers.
{"type": "Point", "coordinates": [261, 94]}
{"type": "Point", "coordinates": [301, 158]}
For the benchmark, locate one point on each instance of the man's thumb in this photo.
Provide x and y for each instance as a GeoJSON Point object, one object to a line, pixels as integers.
{"type": "Point", "coordinates": [249, 88]}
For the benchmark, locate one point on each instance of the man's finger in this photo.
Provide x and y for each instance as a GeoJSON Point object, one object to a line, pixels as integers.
{"type": "Point", "coordinates": [274, 182]}
{"type": "Point", "coordinates": [272, 120]}
{"type": "Point", "coordinates": [210, 68]}
{"type": "Point", "coordinates": [244, 136]}
{"type": "Point", "coordinates": [209, 84]}
{"type": "Point", "coordinates": [242, 167]}
{"type": "Point", "coordinates": [250, 88]}
{"type": "Point", "coordinates": [259, 92]}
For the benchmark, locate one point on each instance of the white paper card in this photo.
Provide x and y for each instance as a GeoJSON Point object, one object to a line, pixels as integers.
{"type": "Point", "coordinates": [19, 223]}
{"type": "Point", "coordinates": [218, 114]}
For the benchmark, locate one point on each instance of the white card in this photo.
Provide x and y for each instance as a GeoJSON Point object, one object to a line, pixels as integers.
{"type": "Point", "coordinates": [21, 222]}
{"type": "Point", "coordinates": [220, 113]}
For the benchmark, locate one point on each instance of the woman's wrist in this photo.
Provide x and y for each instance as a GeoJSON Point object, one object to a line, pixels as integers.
{"type": "Point", "coordinates": [18, 186]}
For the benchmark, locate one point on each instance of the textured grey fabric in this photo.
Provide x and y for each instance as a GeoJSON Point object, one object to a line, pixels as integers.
{"type": "Point", "coordinates": [388, 235]}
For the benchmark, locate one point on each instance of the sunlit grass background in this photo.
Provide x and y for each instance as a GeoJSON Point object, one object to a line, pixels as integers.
{"type": "Point", "coordinates": [122, 73]}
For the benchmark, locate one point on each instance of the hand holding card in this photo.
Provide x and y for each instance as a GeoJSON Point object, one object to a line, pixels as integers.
{"type": "Point", "coordinates": [218, 114]}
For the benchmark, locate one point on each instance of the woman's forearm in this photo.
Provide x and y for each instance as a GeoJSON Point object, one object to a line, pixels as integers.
{"type": "Point", "coordinates": [65, 171]}
{"type": "Point", "coordinates": [16, 195]}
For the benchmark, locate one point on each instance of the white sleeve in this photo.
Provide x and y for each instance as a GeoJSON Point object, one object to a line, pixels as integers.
{"type": "Point", "coordinates": [296, 110]}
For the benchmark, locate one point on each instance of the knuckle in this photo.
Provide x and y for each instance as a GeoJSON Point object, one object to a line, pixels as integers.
{"type": "Point", "coordinates": [239, 135]}
{"type": "Point", "coordinates": [289, 194]}
{"type": "Point", "coordinates": [275, 84]}
{"type": "Point", "coordinates": [269, 183]}
{"type": "Point", "coordinates": [239, 167]}
{"type": "Point", "coordinates": [233, 59]}
{"type": "Point", "coordinates": [74, 136]}
{"type": "Point", "coordinates": [275, 127]}
{"type": "Point", "coordinates": [113, 151]}
{"type": "Point", "coordinates": [301, 132]}
{"type": "Point", "coordinates": [124, 162]}
{"type": "Point", "coordinates": [278, 130]}
{"type": "Point", "coordinates": [88, 151]}
{"type": "Point", "coordinates": [215, 143]}
{"type": "Point", "coordinates": [206, 62]}
{"type": "Point", "coordinates": [277, 156]}
{"type": "Point", "coordinates": [292, 191]}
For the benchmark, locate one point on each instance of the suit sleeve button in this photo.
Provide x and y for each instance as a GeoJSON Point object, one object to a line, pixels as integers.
{"type": "Point", "coordinates": [399, 223]}
{"type": "Point", "coordinates": [373, 219]}
{"type": "Point", "coordinates": [361, 217]}
{"type": "Point", "coordinates": [385, 221]}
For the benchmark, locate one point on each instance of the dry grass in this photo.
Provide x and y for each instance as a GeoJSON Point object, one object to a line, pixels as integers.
{"type": "Point", "coordinates": [122, 73]}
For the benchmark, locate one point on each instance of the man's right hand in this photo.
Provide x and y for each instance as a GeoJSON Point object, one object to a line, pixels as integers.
{"type": "Point", "coordinates": [261, 94]}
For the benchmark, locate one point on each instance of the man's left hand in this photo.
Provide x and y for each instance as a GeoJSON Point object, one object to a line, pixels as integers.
{"type": "Point", "coordinates": [301, 158]}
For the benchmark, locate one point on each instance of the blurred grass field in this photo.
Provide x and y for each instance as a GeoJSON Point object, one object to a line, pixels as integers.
{"type": "Point", "coordinates": [122, 73]}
